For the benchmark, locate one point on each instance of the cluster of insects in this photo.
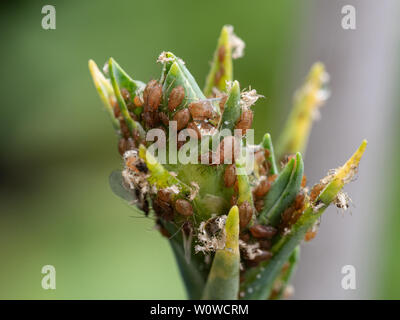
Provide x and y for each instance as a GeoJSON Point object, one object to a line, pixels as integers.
{"type": "Point", "coordinates": [155, 106]}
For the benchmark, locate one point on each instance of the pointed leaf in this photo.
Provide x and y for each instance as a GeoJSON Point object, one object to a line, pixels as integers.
{"type": "Point", "coordinates": [287, 273]}
{"type": "Point", "coordinates": [232, 109]}
{"type": "Point", "coordinates": [169, 59]}
{"type": "Point", "coordinates": [223, 279]}
{"type": "Point", "coordinates": [105, 91]}
{"type": "Point", "coordinates": [267, 144]}
{"type": "Point", "coordinates": [274, 206]}
{"type": "Point", "coordinates": [118, 188]}
{"type": "Point", "coordinates": [119, 80]}
{"type": "Point", "coordinates": [176, 77]}
{"type": "Point", "coordinates": [221, 67]}
{"type": "Point", "coordinates": [259, 280]}
{"type": "Point", "coordinates": [193, 271]}
{"type": "Point", "coordinates": [159, 176]}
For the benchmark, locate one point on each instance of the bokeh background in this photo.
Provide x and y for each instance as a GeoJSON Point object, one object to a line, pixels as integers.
{"type": "Point", "coordinates": [57, 147]}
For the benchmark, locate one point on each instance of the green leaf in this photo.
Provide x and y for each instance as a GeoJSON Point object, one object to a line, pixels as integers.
{"type": "Point", "coordinates": [259, 280]}
{"type": "Point", "coordinates": [267, 144]}
{"type": "Point", "coordinates": [118, 188]}
{"type": "Point", "coordinates": [286, 275]}
{"type": "Point", "coordinates": [283, 191]}
{"type": "Point", "coordinates": [105, 91]}
{"type": "Point", "coordinates": [221, 67]}
{"type": "Point", "coordinates": [232, 109]}
{"type": "Point", "coordinates": [159, 176]}
{"type": "Point", "coordinates": [223, 279]}
{"type": "Point", "coordinates": [169, 60]}
{"type": "Point", "coordinates": [192, 269]}
{"type": "Point", "coordinates": [243, 182]}
{"type": "Point", "coordinates": [119, 80]}
{"type": "Point", "coordinates": [176, 77]}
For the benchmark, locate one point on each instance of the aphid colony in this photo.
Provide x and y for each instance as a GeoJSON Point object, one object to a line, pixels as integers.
{"type": "Point", "coordinates": [152, 108]}
{"type": "Point", "coordinates": [234, 224]}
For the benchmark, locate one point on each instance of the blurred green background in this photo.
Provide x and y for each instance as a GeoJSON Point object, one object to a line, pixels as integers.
{"type": "Point", "coordinates": [58, 147]}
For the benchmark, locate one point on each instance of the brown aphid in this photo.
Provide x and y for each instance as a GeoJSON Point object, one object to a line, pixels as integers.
{"type": "Point", "coordinates": [245, 214]}
{"type": "Point", "coordinates": [219, 74]}
{"type": "Point", "coordinates": [124, 129]}
{"type": "Point", "coordinates": [187, 228]}
{"type": "Point", "coordinates": [299, 201]}
{"type": "Point", "coordinates": [136, 135]}
{"type": "Point", "coordinates": [163, 210]}
{"type": "Point", "coordinates": [262, 188]}
{"type": "Point", "coordinates": [221, 53]}
{"type": "Point", "coordinates": [196, 134]}
{"type": "Point", "coordinates": [117, 111]}
{"type": "Point", "coordinates": [230, 176]}
{"type": "Point", "coordinates": [259, 157]}
{"type": "Point", "coordinates": [244, 236]}
{"type": "Point", "coordinates": [164, 195]}
{"type": "Point", "coordinates": [287, 215]}
{"type": "Point", "coordinates": [245, 121]}
{"type": "Point", "coordinates": [304, 181]}
{"type": "Point", "coordinates": [287, 158]}
{"type": "Point", "coordinates": [175, 98]}
{"type": "Point", "coordinates": [164, 232]}
{"type": "Point", "coordinates": [296, 216]}
{"type": "Point", "coordinates": [154, 97]}
{"type": "Point", "coordinates": [206, 128]}
{"type": "Point", "coordinates": [310, 235]}
{"type": "Point", "coordinates": [233, 200]}
{"type": "Point", "coordinates": [130, 144]}
{"type": "Point", "coordinates": [151, 119]}
{"type": "Point", "coordinates": [261, 231]}
{"type": "Point", "coordinates": [222, 102]}
{"type": "Point", "coordinates": [265, 244]}
{"type": "Point", "coordinates": [122, 146]}
{"type": "Point", "coordinates": [228, 150]}
{"type": "Point", "coordinates": [201, 110]}
{"type": "Point", "coordinates": [182, 118]}
{"type": "Point", "coordinates": [259, 205]}
{"type": "Point", "coordinates": [184, 207]}
{"type": "Point", "coordinates": [316, 190]}
{"type": "Point", "coordinates": [272, 178]}
{"type": "Point", "coordinates": [180, 144]}
{"type": "Point", "coordinates": [133, 116]}
{"type": "Point", "coordinates": [125, 94]}
{"type": "Point", "coordinates": [147, 90]}
{"type": "Point", "coordinates": [236, 186]}
{"type": "Point", "coordinates": [164, 118]}
{"type": "Point", "coordinates": [137, 101]}
{"type": "Point", "coordinates": [262, 171]}
{"type": "Point", "coordinates": [263, 256]}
